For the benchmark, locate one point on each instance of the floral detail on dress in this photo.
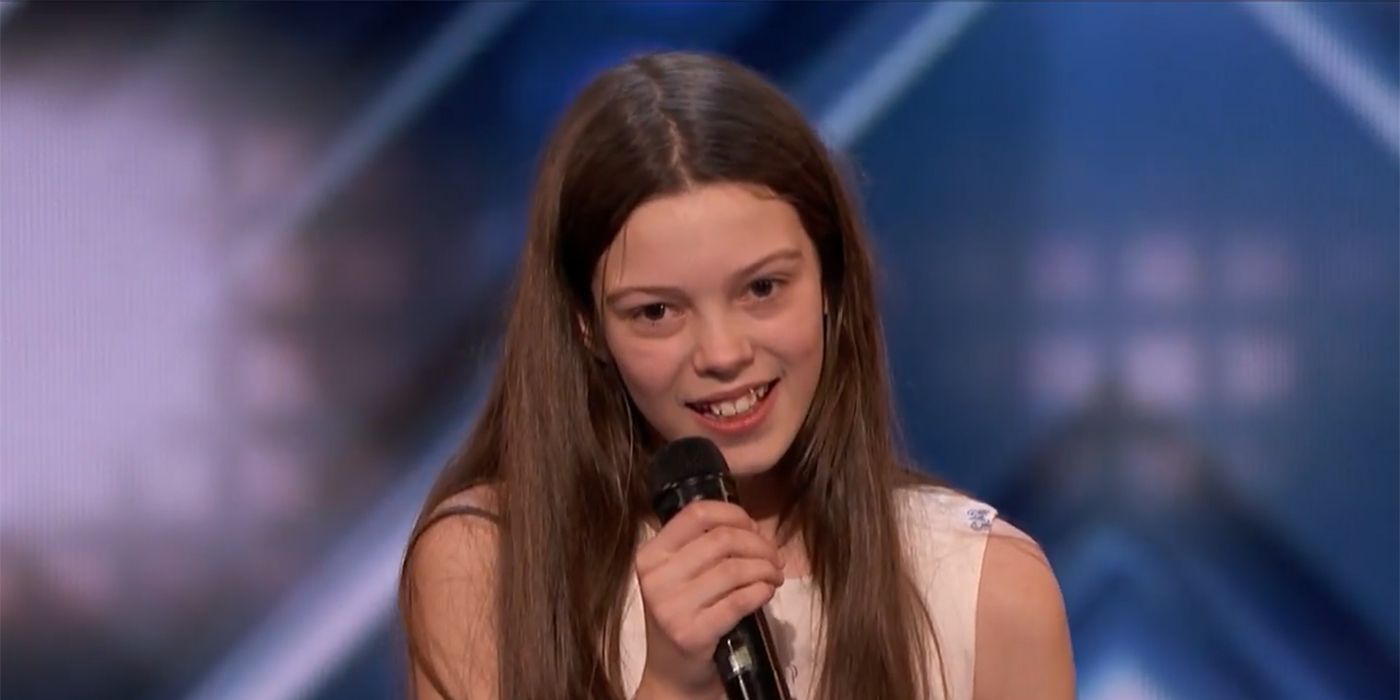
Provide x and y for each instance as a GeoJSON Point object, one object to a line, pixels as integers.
{"type": "Point", "coordinates": [979, 518]}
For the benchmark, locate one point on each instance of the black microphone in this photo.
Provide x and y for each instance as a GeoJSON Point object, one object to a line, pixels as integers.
{"type": "Point", "coordinates": [692, 469]}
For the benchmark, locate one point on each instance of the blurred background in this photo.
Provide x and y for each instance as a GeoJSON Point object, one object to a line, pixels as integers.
{"type": "Point", "coordinates": [1140, 276]}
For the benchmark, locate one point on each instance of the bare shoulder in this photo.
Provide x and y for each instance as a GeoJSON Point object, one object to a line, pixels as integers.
{"type": "Point", "coordinates": [480, 500]}
{"type": "Point", "coordinates": [1023, 644]}
{"type": "Point", "coordinates": [460, 538]}
{"type": "Point", "coordinates": [459, 543]}
{"type": "Point", "coordinates": [450, 592]}
{"type": "Point", "coordinates": [457, 549]}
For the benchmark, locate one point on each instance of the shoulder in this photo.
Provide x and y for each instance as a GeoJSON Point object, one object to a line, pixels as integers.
{"type": "Point", "coordinates": [1022, 637]}
{"type": "Point", "coordinates": [477, 501]}
{"type": "Point", "coordinates": [457, 547]}
{"type": "Point", "coordinates": [931, 509]}
{"type": "Point", "coordinates": [449, 598]}
{"type": "Point", "coordinates": [989, 586]}
{"type": "Point", "coordinates": [457, 527]}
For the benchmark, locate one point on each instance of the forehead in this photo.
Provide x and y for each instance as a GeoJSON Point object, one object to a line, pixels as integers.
{"type": "Point", "coordinates": [700, 235]}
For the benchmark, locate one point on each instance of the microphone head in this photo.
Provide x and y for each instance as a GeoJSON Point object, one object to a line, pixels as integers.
{"type": "Point", "coordinates": [683, 459]}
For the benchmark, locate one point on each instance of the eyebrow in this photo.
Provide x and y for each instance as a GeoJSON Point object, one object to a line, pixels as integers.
{"type": "Point", "coordinates": [751, 268]}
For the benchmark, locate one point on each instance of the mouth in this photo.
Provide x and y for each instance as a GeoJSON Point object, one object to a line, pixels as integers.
{"type": "Point", "coordinates": [737, 408]}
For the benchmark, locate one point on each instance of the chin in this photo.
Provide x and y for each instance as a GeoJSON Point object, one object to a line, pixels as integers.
{"type": "Point", "coordinates": [751, 460]}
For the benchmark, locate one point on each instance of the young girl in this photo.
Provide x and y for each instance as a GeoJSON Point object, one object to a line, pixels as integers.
{"type": "Point", "coordinates": [695, 266]}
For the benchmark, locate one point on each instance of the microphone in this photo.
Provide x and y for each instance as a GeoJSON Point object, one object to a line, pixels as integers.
{"type": "Point", "coordinates": [692, 469]}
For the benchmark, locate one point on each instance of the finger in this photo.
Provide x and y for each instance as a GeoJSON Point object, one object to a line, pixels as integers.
{"type": "Point", "coordinates": [721, 616]}
{"type": "Point", "coordinates": [694, 520]}
{"type": "Point", "coordinates": [710, 549]}
{"type": "Point", "coordinates": [723, 579]}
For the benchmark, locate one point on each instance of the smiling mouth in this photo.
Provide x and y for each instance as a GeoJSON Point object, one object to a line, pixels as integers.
{"type": "Point", "coordinates": [736, 407]}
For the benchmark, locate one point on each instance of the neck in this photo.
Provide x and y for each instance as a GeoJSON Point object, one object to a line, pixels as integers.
{"type": "Point", "coordinates": [764, 496]}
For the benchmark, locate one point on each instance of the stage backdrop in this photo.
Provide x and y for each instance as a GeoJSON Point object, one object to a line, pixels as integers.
{"type": "Point", "coordinates": [1138, 263]}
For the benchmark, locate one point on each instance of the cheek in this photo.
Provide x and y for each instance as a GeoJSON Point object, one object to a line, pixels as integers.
{"type": "Point", "coordinates": [650, 370]}
{"type": "Point", "coordinates": [799, 343]}
{"type": "Point", "coordinates": [805, 369]}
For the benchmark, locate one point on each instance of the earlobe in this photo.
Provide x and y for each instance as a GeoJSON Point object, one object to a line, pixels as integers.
{"type": "Point", "coordinates": [583, 330]}
{"type": "Point", "coordinates": [598, 350]}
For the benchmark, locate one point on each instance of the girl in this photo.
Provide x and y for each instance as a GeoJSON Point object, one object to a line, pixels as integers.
{"type": "Point", "coordinates": [695, 266]}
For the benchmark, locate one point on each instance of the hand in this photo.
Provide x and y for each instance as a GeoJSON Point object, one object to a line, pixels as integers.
{"type": "Point", "coordinates": [705, 570]}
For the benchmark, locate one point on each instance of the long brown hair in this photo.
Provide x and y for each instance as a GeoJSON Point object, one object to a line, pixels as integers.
{"type": "Point", "coordinates": [557, 435]}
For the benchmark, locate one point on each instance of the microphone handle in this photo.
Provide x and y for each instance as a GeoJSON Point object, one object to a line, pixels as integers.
{"type": "Point", "coordinates": [745, 660]}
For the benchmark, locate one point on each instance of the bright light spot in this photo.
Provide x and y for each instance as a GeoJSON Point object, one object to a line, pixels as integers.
{"type": "Point", "coordinates": [1122, 680]}
{"type": "Point", "coordinates": [1063, 371]}
{"type": "Point", "coordinates": [1161, 269]}
{"type": "Point", "coordinates": [1162, 370]}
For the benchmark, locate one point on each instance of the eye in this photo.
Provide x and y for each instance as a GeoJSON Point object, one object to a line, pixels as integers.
{"type": "Point", "coordinates": [651, 313]}
{"type": "Point", "coordinates": [764, 287]}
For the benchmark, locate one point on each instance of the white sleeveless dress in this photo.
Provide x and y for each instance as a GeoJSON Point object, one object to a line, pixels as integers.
{"type": "Point", "coordinates": [946, 533]}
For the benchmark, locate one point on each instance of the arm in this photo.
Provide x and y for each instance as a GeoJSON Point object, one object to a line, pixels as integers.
{"type": "Point", "coordinates": [452, 586]}
{"type": "Point", "coordinates": [1023, 645]}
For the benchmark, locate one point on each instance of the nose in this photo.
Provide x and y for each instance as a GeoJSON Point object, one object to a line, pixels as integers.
{"type": "Point", "coordinates": [722, 349]}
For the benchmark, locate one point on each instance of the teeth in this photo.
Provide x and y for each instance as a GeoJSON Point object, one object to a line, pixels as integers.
{"type": "Point", "coordinates": [743, 404]}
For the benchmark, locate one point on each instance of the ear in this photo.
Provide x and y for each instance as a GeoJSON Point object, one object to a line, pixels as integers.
{"type": "Point", "coordinates": [599, 349]}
